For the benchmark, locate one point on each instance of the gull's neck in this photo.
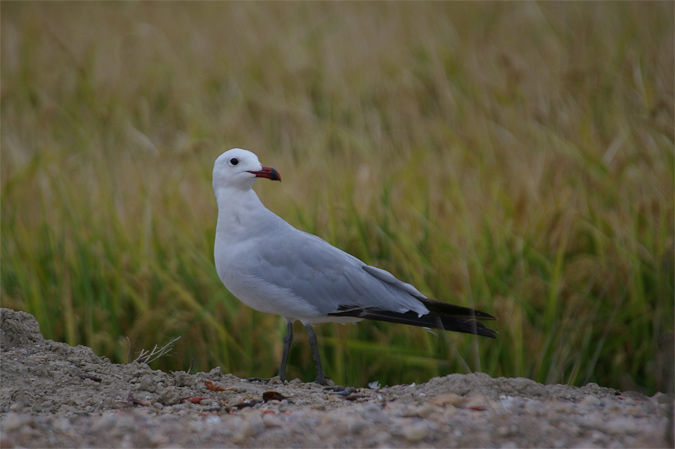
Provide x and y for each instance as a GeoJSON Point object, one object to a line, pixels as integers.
{"type": "Point", "coordinates": [241, 214]}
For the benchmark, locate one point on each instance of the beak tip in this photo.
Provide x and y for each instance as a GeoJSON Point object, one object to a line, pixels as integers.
{"type": "Point", "coordinates": [267, 172]}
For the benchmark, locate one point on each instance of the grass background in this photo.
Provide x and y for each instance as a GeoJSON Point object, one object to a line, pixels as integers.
{"type": "Point", "coordinates": [517, 157]}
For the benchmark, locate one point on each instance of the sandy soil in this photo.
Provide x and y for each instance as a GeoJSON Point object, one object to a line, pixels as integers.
{"type": "Point", "coordinates": [54, 395]}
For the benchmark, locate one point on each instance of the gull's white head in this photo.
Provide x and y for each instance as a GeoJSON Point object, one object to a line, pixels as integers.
{"type": "Point", "coordinates": [239, 169]}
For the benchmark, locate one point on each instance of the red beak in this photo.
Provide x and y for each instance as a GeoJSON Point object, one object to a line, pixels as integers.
{"type": "Point", "coordinates": [268, 173]}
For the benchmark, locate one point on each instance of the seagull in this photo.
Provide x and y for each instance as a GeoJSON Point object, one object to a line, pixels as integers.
{"type": "Point", "coordinates": [275, 268]}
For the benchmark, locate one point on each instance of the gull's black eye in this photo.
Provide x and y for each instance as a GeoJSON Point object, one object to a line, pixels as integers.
{"type": "Point", "coordinates": [234, 161]}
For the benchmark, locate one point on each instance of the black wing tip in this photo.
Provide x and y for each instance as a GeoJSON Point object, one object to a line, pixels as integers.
{"type": "Point", "coordinates": [464, 324]}
{"type": "Point", "coordinates": [489, 333]}
{"type": "Point", "coordinates": [454, 310]}
{"type": "Point", "coordinates": [483, 316]}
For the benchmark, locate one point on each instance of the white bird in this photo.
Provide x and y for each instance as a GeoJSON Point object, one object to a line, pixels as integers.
{"type": "Point", "coordinates": [275, 268]}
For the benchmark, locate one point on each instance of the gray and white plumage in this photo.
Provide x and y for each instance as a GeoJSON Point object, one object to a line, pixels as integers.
{"type": "Point", "coordinates": [275, 268]}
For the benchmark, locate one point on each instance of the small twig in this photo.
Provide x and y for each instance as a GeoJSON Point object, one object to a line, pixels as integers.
{"type": "Point", "coordinates": [128, 349]}
{"type": "Point", "coordinates": [150, 356]}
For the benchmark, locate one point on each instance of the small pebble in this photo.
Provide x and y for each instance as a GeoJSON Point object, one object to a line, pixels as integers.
{"type": "Point", "coordinates": [272, 420]}
{"type": "Point", "coordinates": [444, 400]}
{"type": "Point", "coordinates": [621, 425]}
{"type": "Point", "coordinates": [590, 400]}
{"type": "Point", "coordinates": [373, 412]}
{"type": "Point", "coordinates": [662, 398]}
{"type": "Point", "coordinates": [379, 439]}
{"type": "Point", "coordinates": [509, 445]}
{"type": "Point", "coordinates": [13, 421]}
{"type": "Point", "coordinates": [245, 430]}
{"type": "Point", "coordinates": [357, 425]}
{"type": "Point", "coordinates": [426, 410]}
{"type": "Point", "coordinates": [416, 431]}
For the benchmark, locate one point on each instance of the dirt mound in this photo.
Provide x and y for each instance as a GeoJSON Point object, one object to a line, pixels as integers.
{"type": "Point", "coordinates": [55, 395]}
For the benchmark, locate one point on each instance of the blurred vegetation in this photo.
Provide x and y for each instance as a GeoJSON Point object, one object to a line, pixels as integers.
{"type": "Point", "coordinates": [516, 157]}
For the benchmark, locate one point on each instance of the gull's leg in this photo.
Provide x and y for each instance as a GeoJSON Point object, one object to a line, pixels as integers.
{"type": "Point", "coordinates": [288, 339]}
{"type": "Point", "coordinates": [320, 376]}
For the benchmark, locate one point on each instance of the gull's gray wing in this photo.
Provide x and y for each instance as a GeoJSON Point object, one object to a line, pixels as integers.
{"type": "Point", "coordinates": [328, 278]}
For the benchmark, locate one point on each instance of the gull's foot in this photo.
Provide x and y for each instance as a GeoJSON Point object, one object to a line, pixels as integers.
{"type": "Point", "coordinates": [271, 380]}
{"type": "Point", "coordinates": [340, 390]}
{"type": "Point", "coordinates": [325, 381]}
{"type": "Point", "coordinates": [262, 380]}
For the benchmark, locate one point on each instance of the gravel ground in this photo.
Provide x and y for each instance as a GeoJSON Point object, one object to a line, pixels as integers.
{"type": "Point", "coordinates": [55, 395]}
